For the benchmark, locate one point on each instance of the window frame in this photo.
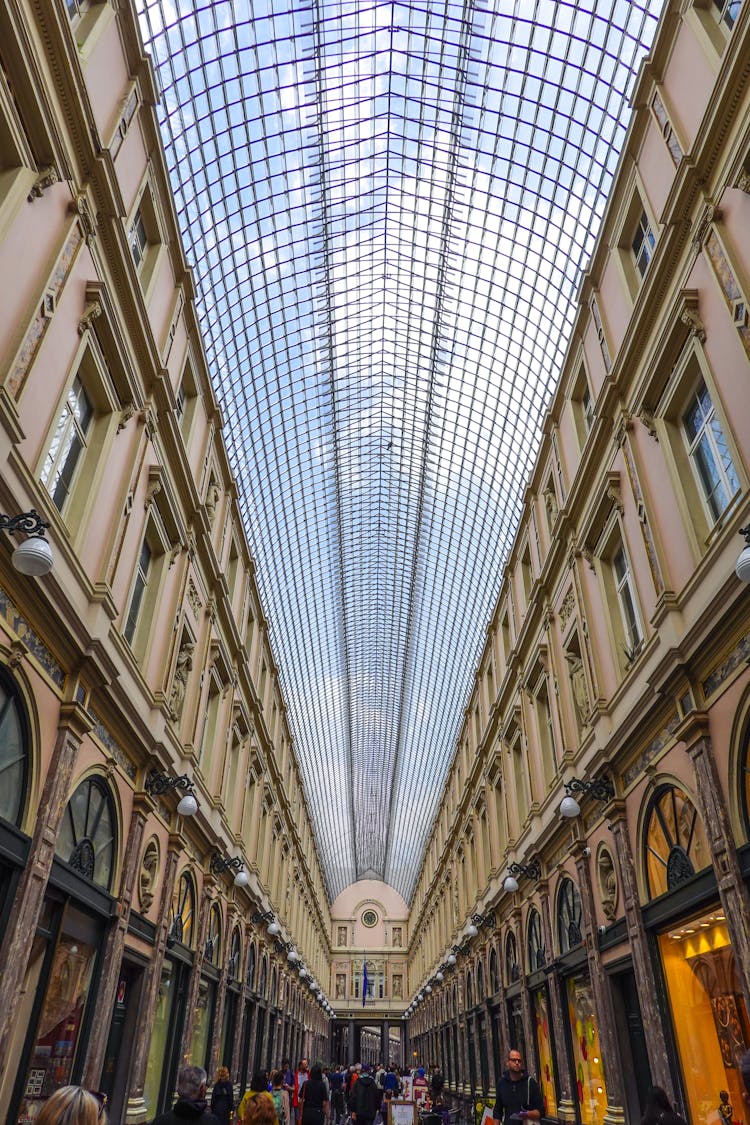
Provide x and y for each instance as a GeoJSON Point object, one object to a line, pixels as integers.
{"type": "Point", "coordinates": [625, 648]}
{"type": "Point", "coordinates": [690, 368]}
{"type": "Point", "coordinates": [146, 212]}
{"type": "Point", "coordinates": [635, 215]}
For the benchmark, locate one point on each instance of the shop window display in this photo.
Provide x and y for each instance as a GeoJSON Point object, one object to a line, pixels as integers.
{"type": "Point", "coordinates": [546, 1074]}
{"type": "Point", "coordinates": [708, 1013]}
{"type": "Point", "coordinates": [53, 1054]}
{"type": "Point", "coordinates": [591, 1089]}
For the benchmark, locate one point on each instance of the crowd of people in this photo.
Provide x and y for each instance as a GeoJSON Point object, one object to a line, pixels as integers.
{"type": "Point", "coordinates": [354, 1095]}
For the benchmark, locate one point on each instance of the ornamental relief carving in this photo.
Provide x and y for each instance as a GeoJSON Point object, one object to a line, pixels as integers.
{"type": "Point", "coordinates": [148, 876]}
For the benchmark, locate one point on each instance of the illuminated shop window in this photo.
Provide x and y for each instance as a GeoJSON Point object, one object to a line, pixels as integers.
{"type": "Point", "coordinates": [676, 844]}
{"type": "Point", "coordinates": [708, 1012]}
{"type": "Point", "coordinates": [591, 1090]}
{"type": "Point", "coordinates": [14, 753]}
{"type": "Point", "coordinates": [87, 838]}
{"type": "Point", "coordinates": [543, 1027]}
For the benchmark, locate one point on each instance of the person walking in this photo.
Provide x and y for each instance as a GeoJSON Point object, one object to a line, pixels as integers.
{"type": "Point", "coordinates": [256, 1107]}
{"type": "Point", "coordinates": [191, 1104]}
{"type": "Point", "coordinates": [314, 1099]}
{"type": "Point", "coordinates": [336, 1082]}
{"type": "Point", "coordinates": [71, 1105]}
{"type": "Point", "coordinates": [365, 1099]}
{"type": "Point", "coordinates": [222, 1097]}
{"type": "Point", "coordinates": [280, 1097]}
{"type": "Point", "coordinates": [518, 1093]}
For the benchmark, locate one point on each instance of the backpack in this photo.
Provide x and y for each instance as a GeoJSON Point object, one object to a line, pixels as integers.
{"type": "Point", "coordinates": [278, 1101]}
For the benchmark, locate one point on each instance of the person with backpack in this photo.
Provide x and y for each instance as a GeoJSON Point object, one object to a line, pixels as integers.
{"type": "Point", "coordinates": [222, 1096]}
{"type": "Point", "coordinates": [280, 1097]}
{"type": "Point", "coordinates": [365, 1099]}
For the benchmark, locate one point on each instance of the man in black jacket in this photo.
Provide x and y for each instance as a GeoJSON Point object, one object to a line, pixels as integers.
{"type": "Point", "coordinates": [518, 1094]}
{"type": "Point", "coordinates": [365, 1099]}
{"type": "Point", "coordinates": [191, 1106]}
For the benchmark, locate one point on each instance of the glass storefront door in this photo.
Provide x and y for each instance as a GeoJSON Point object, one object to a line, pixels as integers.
{"type": "Point", "coordinates": [708, 1015]}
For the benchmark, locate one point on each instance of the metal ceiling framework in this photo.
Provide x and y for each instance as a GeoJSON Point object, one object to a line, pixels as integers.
{"type": "Point", "coordinates": [388, 207]}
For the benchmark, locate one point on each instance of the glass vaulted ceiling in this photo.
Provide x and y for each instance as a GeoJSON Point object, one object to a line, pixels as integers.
{"type": "Point", "coordinates": [388, 207]}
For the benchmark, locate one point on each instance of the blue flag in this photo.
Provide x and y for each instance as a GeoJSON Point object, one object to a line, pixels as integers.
{"type": "Point", "coordinates": [364, 982]}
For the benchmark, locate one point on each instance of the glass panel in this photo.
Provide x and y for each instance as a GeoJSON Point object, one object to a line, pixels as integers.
{"type": "Point", "coordinates": [708, 1015]}
{"type": "Point", "coordinates": [388, 208]}
{"type": "Point", "coordinates": [591, 1090]}
{"type": "Point", "coordinates": [544, 1048]}
{"type": "Point", "coordinates": [159, 1035]}
{"type": "Point", "coordinates": [13, 753]}
{"type": "Point", "coordinates": [202, 1026]}
{"type": "Point", "coordinates": [676, 842]}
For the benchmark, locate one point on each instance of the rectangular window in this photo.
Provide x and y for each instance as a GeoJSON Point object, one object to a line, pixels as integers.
{"type": "Point", "coordinates": [68, 444]}
{"type": "Point", "coordinates": [138, 239]}
{"type": "Point", "coordinates": [139, 590]}
{"type": "Point", "coordinates": [626, 600]}
{"type": "Point", "coordinates": [727, 12]}
{"type": "Point", "coordinates": [643, 244]}
{"type": "Point", "coordinates": [709, 454]}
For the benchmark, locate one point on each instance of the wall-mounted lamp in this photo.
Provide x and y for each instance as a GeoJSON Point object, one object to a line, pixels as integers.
{"type": "Point", "coordinates": [600, 788]}
{"type": "Point", "coordinates": [439, 977]}
{"type": "Point", "coordinates": [471, 931]}
{"type": "Point", "coordinates": [450, 959]}
{"type": "Point", "coordinates": [34, 555]}
{"type": "Point", "coordinates": [428, 989]}
{"type": "Point", "coordinates": [218, 865]}
{"type": "Point", "coordinates": [742, 566]}
{"type": "Point", "coordinates": [486, 919]}
{"type": "Point", "coordinates": [158, 783]}
{"type": "Point", "coordinates": [263, 916]}
{"type": "Point", "coordinates": [531, 871]}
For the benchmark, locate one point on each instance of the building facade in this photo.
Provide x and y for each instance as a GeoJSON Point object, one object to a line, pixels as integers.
{"type": "Point", "coordinates": [139, 671]}
{"type": "Point", "coordinates": [613, 946]}
{"type": "Point", "coordinates": [140, 668]}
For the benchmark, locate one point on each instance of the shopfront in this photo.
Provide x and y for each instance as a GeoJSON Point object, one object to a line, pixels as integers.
{"type": "Point", "coordinates": [59, 991]}
{"type": "Point", "coordinates": [169, 1017]}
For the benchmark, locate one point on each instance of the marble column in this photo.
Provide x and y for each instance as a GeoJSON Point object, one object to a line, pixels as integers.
{"type": "Point", "coordinates": [221, 999]}
{"type": "Point", "coordinates": [115, 942]}
{"type": "Point", "coordinates": [566, 1102]}
{"type": "Point", "coordinates": [733, 893]}
{"type": "Point", "coordinates": [643, 968]}
{"type": "Point", "coordinates": [27, 904]}
{"type": "Point", "coordinates": [135, 1113]}
{"type": "Point", "coordinates": [605, 1016]}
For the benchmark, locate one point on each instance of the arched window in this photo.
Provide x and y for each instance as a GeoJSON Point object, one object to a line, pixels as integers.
{"type": "Point", "coordinates": [14, 752]}
{"type": "Point", "coordinates": [263, 977]}
{"type": "Point", "coordinates": [212, 949]}
{"type": "Point", "coordinates": [87, 837]}
{"type": "Point", "coordinates": [454, 1013]}
{"type": "Point", "coordinates": [235, 955]}
{"type": "Point", "coordinates": [568, 916]}
{"type": "Point", "coordinates": [676, 844]}
{"type": "Point", "coordinates": [535, 942]}
{"type": "Point", "coordinates": [272, 997]}
{"type": "Point", "coordinates": [494, 973]}
{"type": "Point", "coordinates": [469, 992]}
{"type": "Point", "coordinates": [480, 983]}
{"type": "Point", "coordinates": [250, 977]}
{"type": "Point", "coordinates": [512, 968]}
{"type": "Point", "coordinates": [183, 911]}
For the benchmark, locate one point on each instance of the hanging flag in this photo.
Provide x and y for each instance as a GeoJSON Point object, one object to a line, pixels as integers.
{"type": "Point", "coordinates": [364, 982]}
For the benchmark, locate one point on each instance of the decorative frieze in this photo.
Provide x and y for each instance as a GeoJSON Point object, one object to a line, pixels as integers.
{"type": "Point", "coordinates": [657, 744]}
{"type": "Point", "coordinates": [34, 644]}
{"type": "Point", "coordinates": [738, 657]}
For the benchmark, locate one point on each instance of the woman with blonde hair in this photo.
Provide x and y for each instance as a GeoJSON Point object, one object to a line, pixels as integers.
{"type": "Point", "coordinates": [71, 1105]}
